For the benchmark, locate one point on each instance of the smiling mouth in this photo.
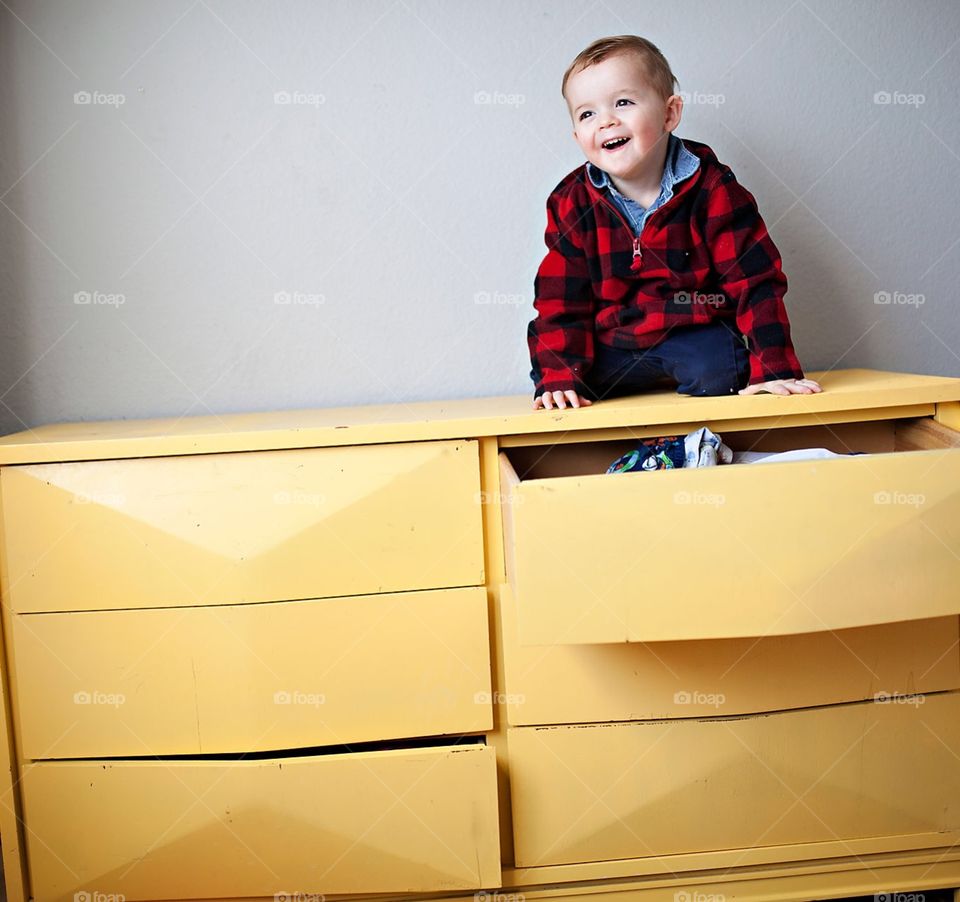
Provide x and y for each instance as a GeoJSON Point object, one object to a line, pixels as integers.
{"type": "Point", "coordinates": [615, 144]}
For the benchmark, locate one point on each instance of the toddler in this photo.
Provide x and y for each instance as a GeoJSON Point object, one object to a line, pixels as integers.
{"type": "Point", "coordinates": [659, 267]}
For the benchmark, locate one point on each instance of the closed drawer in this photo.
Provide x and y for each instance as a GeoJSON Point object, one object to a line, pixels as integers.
{"type": "Point", "coordinates": [245, 678]}
{"type": "Point", "coordinates": [550, 684]}
{"type": "Point", "coordinates": [414, 821]}
{"type": "Point", "coordinates": [607, 791]}
{"type": "Point", "coordinates": [734, 550]}
{"type": "Point", "coordinates": [246, 527]}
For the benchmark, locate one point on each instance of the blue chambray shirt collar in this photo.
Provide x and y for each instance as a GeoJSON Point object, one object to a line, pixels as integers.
{"type": "Point", "coordinates": [679, 164]}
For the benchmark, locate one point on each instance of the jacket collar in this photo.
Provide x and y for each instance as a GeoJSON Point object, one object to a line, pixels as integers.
{"type": "Point", "coordinates": [679, 165]}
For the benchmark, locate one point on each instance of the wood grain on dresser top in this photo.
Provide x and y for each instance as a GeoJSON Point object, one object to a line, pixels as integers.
{"type": "Point", "coordinates": [844, 390]}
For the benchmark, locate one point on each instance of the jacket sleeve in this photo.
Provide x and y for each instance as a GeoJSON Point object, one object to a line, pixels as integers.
{"type": "Point", "coordinates": [561, 337]}
{"type": "Point", "coordinates": [748, 266]}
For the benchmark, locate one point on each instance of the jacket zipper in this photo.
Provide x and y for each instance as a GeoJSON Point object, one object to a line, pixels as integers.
{"type": "Point", "coordinates": [637, 263]}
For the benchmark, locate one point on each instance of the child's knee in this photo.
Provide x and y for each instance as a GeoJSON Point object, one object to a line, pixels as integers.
{"type": "Point", "coordinates": [710, 382]}
{"type": "Point", "coordinates": [722, 374]}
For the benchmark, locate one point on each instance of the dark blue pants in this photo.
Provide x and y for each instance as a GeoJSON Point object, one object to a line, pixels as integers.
{"type": "Point", "coordinates": [699, 360]}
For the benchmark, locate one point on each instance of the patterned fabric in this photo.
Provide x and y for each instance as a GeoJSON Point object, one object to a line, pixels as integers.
{"type": "Point", "coordinates": [700, 448]}
{"type": "Point", "coordinates": [704, 255]}
{"type": "Point", "coordinates": [678, 165]}
{"type": "Point", "coordinates": [664, 453]}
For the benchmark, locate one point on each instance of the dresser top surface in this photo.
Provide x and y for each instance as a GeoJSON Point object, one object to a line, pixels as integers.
{"type": "Point", "coordinates": [843, 390]}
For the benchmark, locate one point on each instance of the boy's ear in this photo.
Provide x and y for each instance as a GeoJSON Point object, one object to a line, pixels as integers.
{"type": "Point", "coordinates": [674, 112]}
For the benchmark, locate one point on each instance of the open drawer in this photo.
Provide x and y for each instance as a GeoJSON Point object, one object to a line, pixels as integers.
{"type": "Point", "coordinates": [739, 549]}
{"type": "Point", "coordinates": [403, 820]}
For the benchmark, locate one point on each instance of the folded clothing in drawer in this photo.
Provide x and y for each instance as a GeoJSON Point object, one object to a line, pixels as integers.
{"type": "Point", "coordinates": [704, 448]}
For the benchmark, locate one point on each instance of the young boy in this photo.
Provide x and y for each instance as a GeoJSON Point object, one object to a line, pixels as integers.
{"type": "Point", "coordinates": [658, 262]}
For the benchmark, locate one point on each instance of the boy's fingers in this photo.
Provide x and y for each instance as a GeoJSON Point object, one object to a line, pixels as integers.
{"type": "Point", "coordinates": [559, 399]}
{"type": "Point", "coordinates": [783, 387]}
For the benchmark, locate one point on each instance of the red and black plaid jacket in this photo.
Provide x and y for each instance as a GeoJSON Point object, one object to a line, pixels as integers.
{"type": "Point", "coordinates": [705, 254]}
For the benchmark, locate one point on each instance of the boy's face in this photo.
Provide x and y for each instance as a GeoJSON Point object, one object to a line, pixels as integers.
{"type": "Point", "coordinates": [613, 99]}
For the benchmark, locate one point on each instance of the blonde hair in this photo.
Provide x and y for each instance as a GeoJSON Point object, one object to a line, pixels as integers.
{"type": "Point", "coordinates": [655, 65]}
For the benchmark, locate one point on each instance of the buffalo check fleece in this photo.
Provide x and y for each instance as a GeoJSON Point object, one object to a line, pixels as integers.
{"type": "Point", "coordinates": [704, 255]}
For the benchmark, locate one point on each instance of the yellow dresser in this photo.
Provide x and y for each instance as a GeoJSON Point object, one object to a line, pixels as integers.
{"type": "Point", "coordinates": [433, 650]}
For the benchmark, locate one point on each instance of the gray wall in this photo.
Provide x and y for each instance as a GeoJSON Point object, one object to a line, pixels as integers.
{"type": "Point", "coordinates": [400, 217]}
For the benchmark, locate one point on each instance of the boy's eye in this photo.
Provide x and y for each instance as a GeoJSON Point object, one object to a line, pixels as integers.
{"type": "Point", "coordinates": [586, 113]}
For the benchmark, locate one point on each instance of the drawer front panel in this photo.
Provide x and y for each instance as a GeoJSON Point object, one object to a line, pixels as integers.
{"type": "Point", "coordinates": [419, 821]}
{"type": "Point", "coordinates": [253, 677]}
{"type": "Point", "coordinates": [608, 791]}
{"type": "Point", "coordinates": [734, 551]}
{"type": "Point", "coordinates": [230, 528]}
{"type": "Point", "coordinates": [550, 684]}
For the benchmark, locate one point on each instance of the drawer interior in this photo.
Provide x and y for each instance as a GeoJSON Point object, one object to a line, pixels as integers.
{"type": "Point", "coordinates": [880, 436]}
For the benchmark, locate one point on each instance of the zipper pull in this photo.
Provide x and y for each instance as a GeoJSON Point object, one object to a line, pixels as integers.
{"type": "Point", "coordinates": [637, 262]}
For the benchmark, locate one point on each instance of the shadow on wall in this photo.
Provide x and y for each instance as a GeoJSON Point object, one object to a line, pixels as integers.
{"type": "Point", "coordinates": [14, 327]}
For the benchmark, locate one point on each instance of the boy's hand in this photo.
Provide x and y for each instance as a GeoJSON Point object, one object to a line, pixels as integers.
{"type": "Point", "coordinates": [783, 387]}
{"type": "Point", "coordinates": [560, 398]}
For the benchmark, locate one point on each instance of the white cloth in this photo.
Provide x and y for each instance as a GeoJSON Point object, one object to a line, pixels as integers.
{"type": "Point", "coordinates": [703, 448]}
{"type": "Point", "coordinates": [756, 457]}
